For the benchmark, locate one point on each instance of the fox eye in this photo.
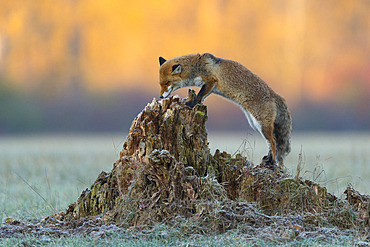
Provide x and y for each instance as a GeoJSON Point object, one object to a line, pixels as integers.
{"type": "Point", "coordinates": [166, 84]}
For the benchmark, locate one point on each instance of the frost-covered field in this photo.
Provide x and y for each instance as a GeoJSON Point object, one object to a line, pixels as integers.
{"type": "Point", "coordinates": [41, 175]}
{"type": "Point", "coordinates": [59, 167]}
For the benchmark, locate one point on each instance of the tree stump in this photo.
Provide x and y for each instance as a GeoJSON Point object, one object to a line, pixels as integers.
{"type": "Point", "coordinates": [166, 171]}
{"type": "Point", "coordinates": [165, 166]}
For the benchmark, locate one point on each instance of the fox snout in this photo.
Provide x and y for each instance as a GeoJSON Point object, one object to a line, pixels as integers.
{"type": "Point", "coordinates": [166, 91]}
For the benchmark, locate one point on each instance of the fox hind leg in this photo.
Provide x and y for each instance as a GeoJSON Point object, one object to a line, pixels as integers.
{"type": "Point", "coordinates": [266, 129]}
{"type": "Point", "coordinates": [267, 132]}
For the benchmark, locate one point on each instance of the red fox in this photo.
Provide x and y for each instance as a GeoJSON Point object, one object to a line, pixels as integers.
{"type": "Point", "coordinates": [265, 110]}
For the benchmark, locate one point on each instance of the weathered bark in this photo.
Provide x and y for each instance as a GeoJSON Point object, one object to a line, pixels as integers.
{"type": "Point", "coordinates": [169, 125]}
{"type": "Point", "coordinates": [163, 162]}
{"type": "Point", "coordinates": [165, 170]}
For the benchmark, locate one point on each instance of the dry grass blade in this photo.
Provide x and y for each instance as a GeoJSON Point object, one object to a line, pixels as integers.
{"type": "Point", "coordinates": [299, 165]}
{"type": "Point", "coordinates": [34, 190]}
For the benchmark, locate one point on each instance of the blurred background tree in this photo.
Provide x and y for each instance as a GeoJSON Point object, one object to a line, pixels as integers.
{"type": "Point", "coordinates": [92, 65]}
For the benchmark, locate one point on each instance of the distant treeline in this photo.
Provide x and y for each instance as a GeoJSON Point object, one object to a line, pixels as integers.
{"type": "Point", "coordinates": [78, 111]}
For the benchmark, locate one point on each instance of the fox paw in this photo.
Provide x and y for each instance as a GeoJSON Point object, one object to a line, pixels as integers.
{"type": "Point", "coordinates": [268, 160]}
{"type": "Point", "coordinates": [191, 95]}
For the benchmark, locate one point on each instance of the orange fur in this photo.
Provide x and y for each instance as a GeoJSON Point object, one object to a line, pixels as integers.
{"type": "Point", "coordinates": [265, 110]}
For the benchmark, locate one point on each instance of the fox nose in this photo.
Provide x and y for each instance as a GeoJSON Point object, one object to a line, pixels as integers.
{"type": "Point", "coordinates": [161, 97]}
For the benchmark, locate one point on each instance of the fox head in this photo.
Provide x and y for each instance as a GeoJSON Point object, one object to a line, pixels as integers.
{"type": "Point", "coordinates": [174, 73]}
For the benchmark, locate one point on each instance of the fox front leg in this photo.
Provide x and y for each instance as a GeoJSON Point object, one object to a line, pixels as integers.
{"type": "Point", "coordinates": [203, 93]}
{"type": "Point", "coordinates": [191, 94]}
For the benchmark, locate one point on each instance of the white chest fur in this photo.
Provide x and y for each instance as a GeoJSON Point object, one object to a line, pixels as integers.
{"type": "Point", "coordinates": [198, 82]}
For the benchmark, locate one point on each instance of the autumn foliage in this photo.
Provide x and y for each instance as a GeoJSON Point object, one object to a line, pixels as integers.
{"type": "Point", "coordinates": [314, 53]}
{"type": "Point", "coordinates": [313, 49]}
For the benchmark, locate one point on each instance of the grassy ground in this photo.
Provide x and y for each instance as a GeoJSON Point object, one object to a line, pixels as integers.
{"type": "Point", "coordinates": [161, 238]}
{"type": "Point", "coordinates": [44, 174]}
{"type": "Point", "coordinates": [41, 175]}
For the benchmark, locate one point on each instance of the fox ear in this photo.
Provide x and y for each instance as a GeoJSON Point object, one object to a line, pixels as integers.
{"type": "Point", "coordinates": [161, 61]}
{"type": "Point", "coordinates": [176, 69]}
